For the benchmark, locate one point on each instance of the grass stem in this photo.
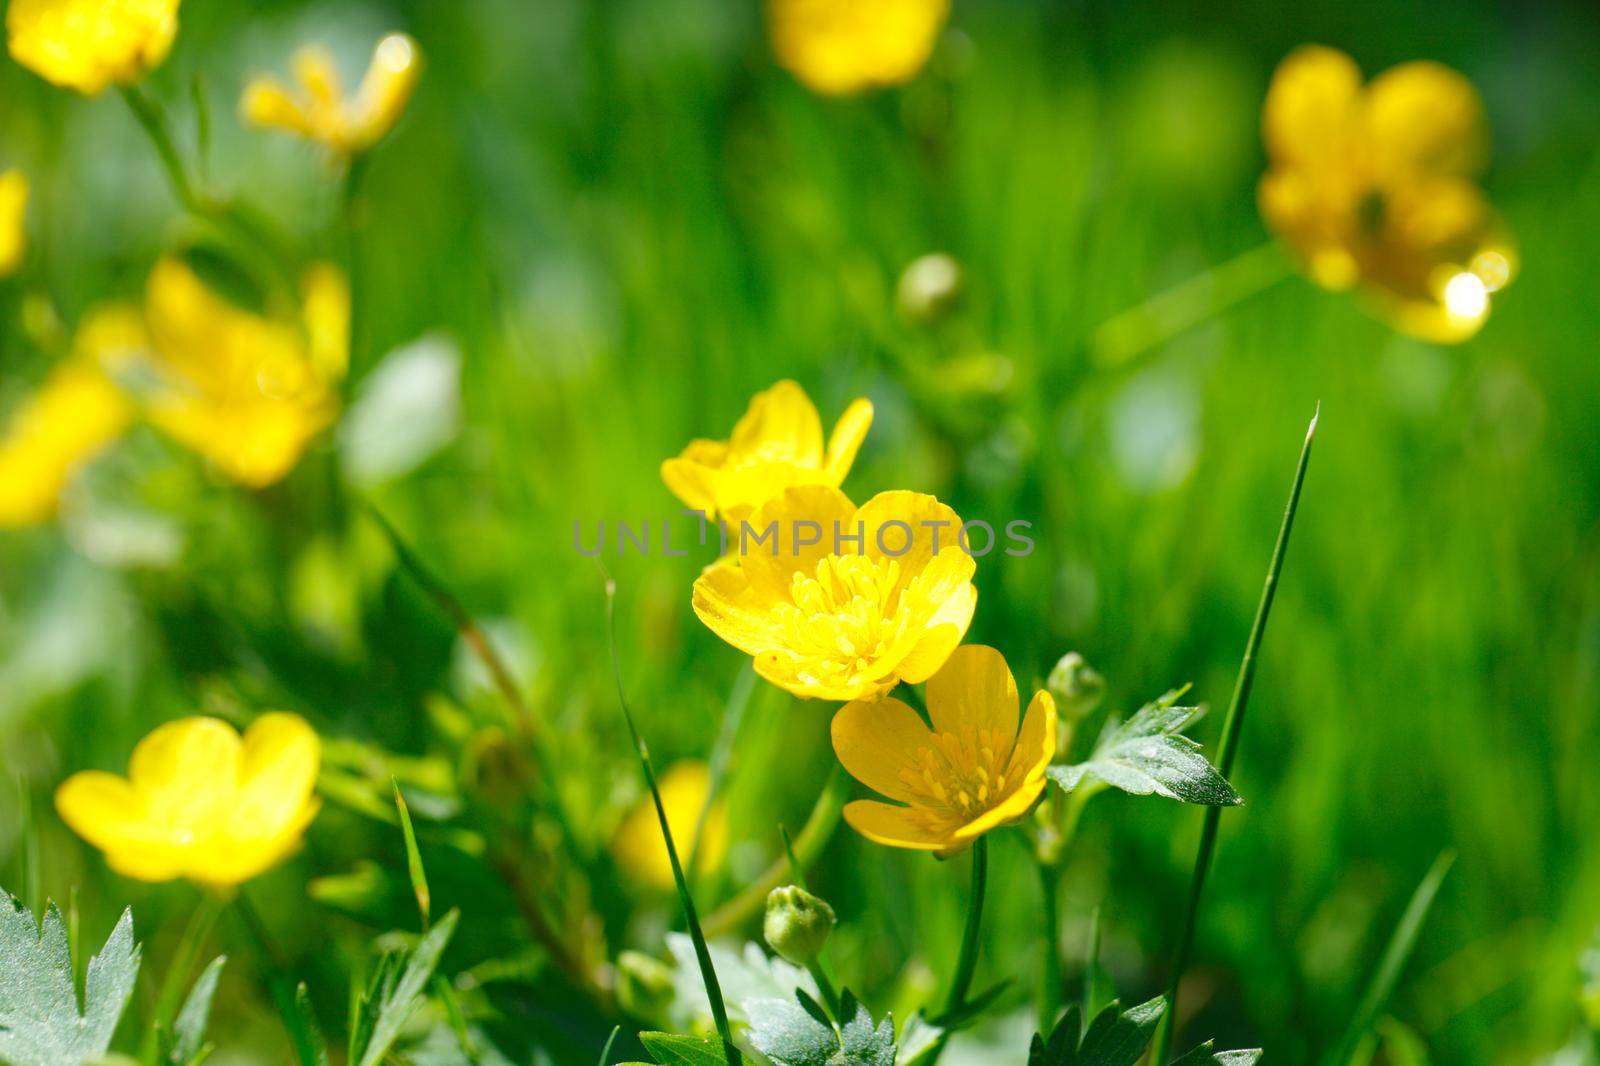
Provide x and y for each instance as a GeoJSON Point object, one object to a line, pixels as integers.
{"type": "Point", "coordinates": [1232, 726]}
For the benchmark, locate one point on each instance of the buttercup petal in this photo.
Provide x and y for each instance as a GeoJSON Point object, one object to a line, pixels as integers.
{"type": "Point", "coordinates": [899, 827]}
{"type": "Point", "coordinates": [1013, 808]}
{"type": "Point", "coordinates": [975, 691]}
{"type": "Point", "coordinates": [725, 601]}
{"type": "Point", "coordinates": [686, 475]}
{"type": "Point", "coordinates": [907, 527]}
{"type": "Point", "coordinates": [878, 744]}
{"type": "Point", "coordinates": [1311, 106]}
{"type": "Point", "coordinates": [781, 425]}
{"type": "Point", "coordinates": [1036, 740]}
{"type": "Point", "coordinates": [845, 441]}
{"type": "Point", "coordinates": [1423, 118]}
{"type": "Point", "coordinates": [805, 513]}
{"type": "Point", "coordinates": [281, 758]}
{"type": "Point", "coordinates": [187, 771]}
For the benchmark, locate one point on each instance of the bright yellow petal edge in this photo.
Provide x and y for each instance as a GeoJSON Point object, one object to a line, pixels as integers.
{"type": "Point", "coordinates": [13, 221]}
{"type": "Point", "coordinates": [974, 770]}
{"type": "Point", "coordinates": [201, 802]}
{"type": "Point", "coordinates": [838, 47]}
{"type": "Point", "coordinates": [72, 418]}
{"type": "Point", "coordinates": [318, 108]}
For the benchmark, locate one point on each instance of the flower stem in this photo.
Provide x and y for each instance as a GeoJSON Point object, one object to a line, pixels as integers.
{"type": "Point", "coordinates": [708, 972]}
{"type": "Point", "coordinates": [1050, 980]}
{"type": "Point", "coordinates": [1231, 728]}
{"type": "Point", "coordinates": [830, 997]}
{"type": "Point", "coordinates": [154, 122]}
{"type": "Point", "coordinates": [201, 921]}
{"type": "Point", "coordinates": [814, 836]}
{"type": "Point", "coordinates": [967, 961]}
{"type": "Point", "coordinates": [1122, 337]}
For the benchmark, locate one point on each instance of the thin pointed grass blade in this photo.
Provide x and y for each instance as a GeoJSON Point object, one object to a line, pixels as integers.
{"type": "Point", "coordinates": [419, 876]}
{"type": "Point", "coordinates": [1401, 943]}
{"type": "Point", "coordinates": [708, 972]}
{"type": "Point", "coordinates": [1232, 726]}
{"type": "Point", "coordinates": [605, 1052]}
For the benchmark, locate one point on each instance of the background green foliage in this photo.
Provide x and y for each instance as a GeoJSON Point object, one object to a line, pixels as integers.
{"type": "Point", "coordinates": [628, 221]}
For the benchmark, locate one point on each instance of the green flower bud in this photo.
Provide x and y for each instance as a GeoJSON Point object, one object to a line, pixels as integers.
{"type": "Point", "coordinates": [929, 287]}
{"type": "Point", "coordinates": [1077, 688]}
{"type": "Point", "coordinates": [797, 924]}
{"type": "Point", "coordinates": [645, 984]}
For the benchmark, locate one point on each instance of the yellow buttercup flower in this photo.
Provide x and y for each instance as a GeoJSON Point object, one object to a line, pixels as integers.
{"type": "Point", "coordinates": [776, 445]}
{"type": "Point", "coordinates": [846, 46]}
{"type": "Point", "coordinates": [245, 390]}
{"type": "Point", "coordinates": [88, 45]}
{"type": "Point", "coordinates": [839, 603]}
{"type": "Point", "coordinates": [13, 221]}
{"type": "Point", "coordinates": [1373, 186]}
{"type": "Point", "coordinates": [973, 771]}
{"type": "Point", "coordinates": [637, 845]}
{"type": "Point", "coordinates": [200, 802]}
{"type": "Point", "coordinates": [73, 416]}
{"type": "Point", "coordinates": [321, 111]}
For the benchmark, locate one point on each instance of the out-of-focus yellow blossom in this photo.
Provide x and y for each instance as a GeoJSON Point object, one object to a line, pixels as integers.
{"type": "Point", "coordinates": [776, 445]}
{"type": "Point", "coordinates": [637, 845]}
{"type": "Point", "coordinates": [321, 111]}
{"type": "Point", "coordinates": [972, 772]}
{"type": "Point", "coordinates": [88, 45]}
{"type": "Point", "coordinates": [839, 603]}
{"type": "Point", "coordinates": [245, 390]}
{"type": "Point", "coordinates": [13, 221]}
{"type": "Point", "coordinates": [1374, 186]}
{"type": "Point", "coordinates": [200, 802]}
{"type": "Point", "coordinates": [847, 46]}
{"type": "Point", "coordinates": [73, 416]}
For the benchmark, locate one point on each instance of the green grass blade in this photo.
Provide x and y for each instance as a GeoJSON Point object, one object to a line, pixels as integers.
{"type": "Point", "coordinates": [1232, 727]}
{"type": "Point", "coordinates": [419, 876]}
{"type": "Point", "coordinates": [1401, 943]}
{"type": "Point", "coordinates": [708, 973]}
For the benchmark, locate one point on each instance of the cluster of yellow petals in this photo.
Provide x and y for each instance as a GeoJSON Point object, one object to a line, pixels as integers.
{"type": "Point", "coordinates": [843, 618]}
{"type": "Point", "coordinates": [848, 46]}
{"type": "Point", "coordinates": [637, 845]}
{"type": "Point", "coordinates": [320, 110]}
{"type": "Point", "coordinates": [775, 446]}
{"type": "Point", "coordinates": [1375, 186]}
{"type": "Point", "coordinates": [13, 221]}
{"type": "Point", "coordinates": [248, 391]}
{"type": "Point", "coordinates": [200, 802]}
{"type": "Point", "coordinates": [89, 45]}
{"type": "Point", "coordinates": [73, 416]}
{"type": "Point", "coordinates": [973, 770]}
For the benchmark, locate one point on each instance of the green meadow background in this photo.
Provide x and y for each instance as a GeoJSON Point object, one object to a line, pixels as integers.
{"type": "Point", "coordinates": [624, 220]}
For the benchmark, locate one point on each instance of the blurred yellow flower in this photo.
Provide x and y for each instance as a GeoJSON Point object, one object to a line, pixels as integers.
{"type": "Point", "coordinates": [972, 772]}
{"type": "Point", "coordinates": [637, 845]}
{"type": "Point", "coordinates": [1374, 186]}
{"type": "Point", "coordinates": [847, 46]}
{"type": "Point", "coordinates": [73, 416]}
{"type": "Point", "coordinates": [200, 802]}
{"type": "Point", "coordinates": [776, 445]}
{"type": "Point", "coordinates": [839, 603]}
{"type": "Point", "coordinates": [245, 390]}
{"type": "Point", "coordinates": [13, 221]}
{"type": "Point", "coordinates": [89, 44]}
{"type": "Point", "coordinates": [320, 111]}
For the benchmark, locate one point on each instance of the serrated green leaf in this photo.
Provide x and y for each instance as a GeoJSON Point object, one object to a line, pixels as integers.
{"type": "Point", "coordinates": [40, 1021]}
{"type": "Point", "coordinates": [189, 1029]}
{"type": "Point", "coordinates": [1147, 755]}
{"type": "Point", "coordinates": [797, 1032]}
{"type": "Point", "coordinates": [669, 1049]}
{"type": "Point", "coordinates": [1062, 1047]}
{"type": "Point", "coordinates": [1119, 1037]}
{"type": "Point", "coordinates": [396, 997]}
{"type": "Point", "coordinates": [1206, 1055]}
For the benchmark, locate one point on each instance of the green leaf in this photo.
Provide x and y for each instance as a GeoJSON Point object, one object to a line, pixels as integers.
{"type": "Point", "coordinates": [419, 876]}
{"type": "Point", "coordinates": [1205, 1055]}
{"type": "Point", "coordinates": [190, 1028]}
{"type": "Point", "coordinates": [1116, 1037]}
{"type": "Point", "coordinates": [396, 992]}
{"type": "Point", "coordinates": [745, 975]}
{"type": "Point", "coordinates": [669, 1049]}
{"type": "Point", "coordinates": [304, 1032]}
{"type": "Point", "coordinates": [1146, 754]}
{"type": "Point", "coordinates": [798, 1032]}
{"type": "Point", "coordinates": [40, 1021]}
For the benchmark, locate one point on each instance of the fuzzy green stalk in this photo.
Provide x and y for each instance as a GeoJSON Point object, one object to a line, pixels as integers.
{"type": "Point", "coordinates": [1232, 725]}
{"type": "Point", "coordinates": [179, 969]}
{"type": "Point", "coordinates": [967, 961]}
{"type": "Point", "coordinates": [708, 973]}
{"type": "Point", "coordinates": [1050, 979]}
{"type": "Point", "coordinates": [814, 836]}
